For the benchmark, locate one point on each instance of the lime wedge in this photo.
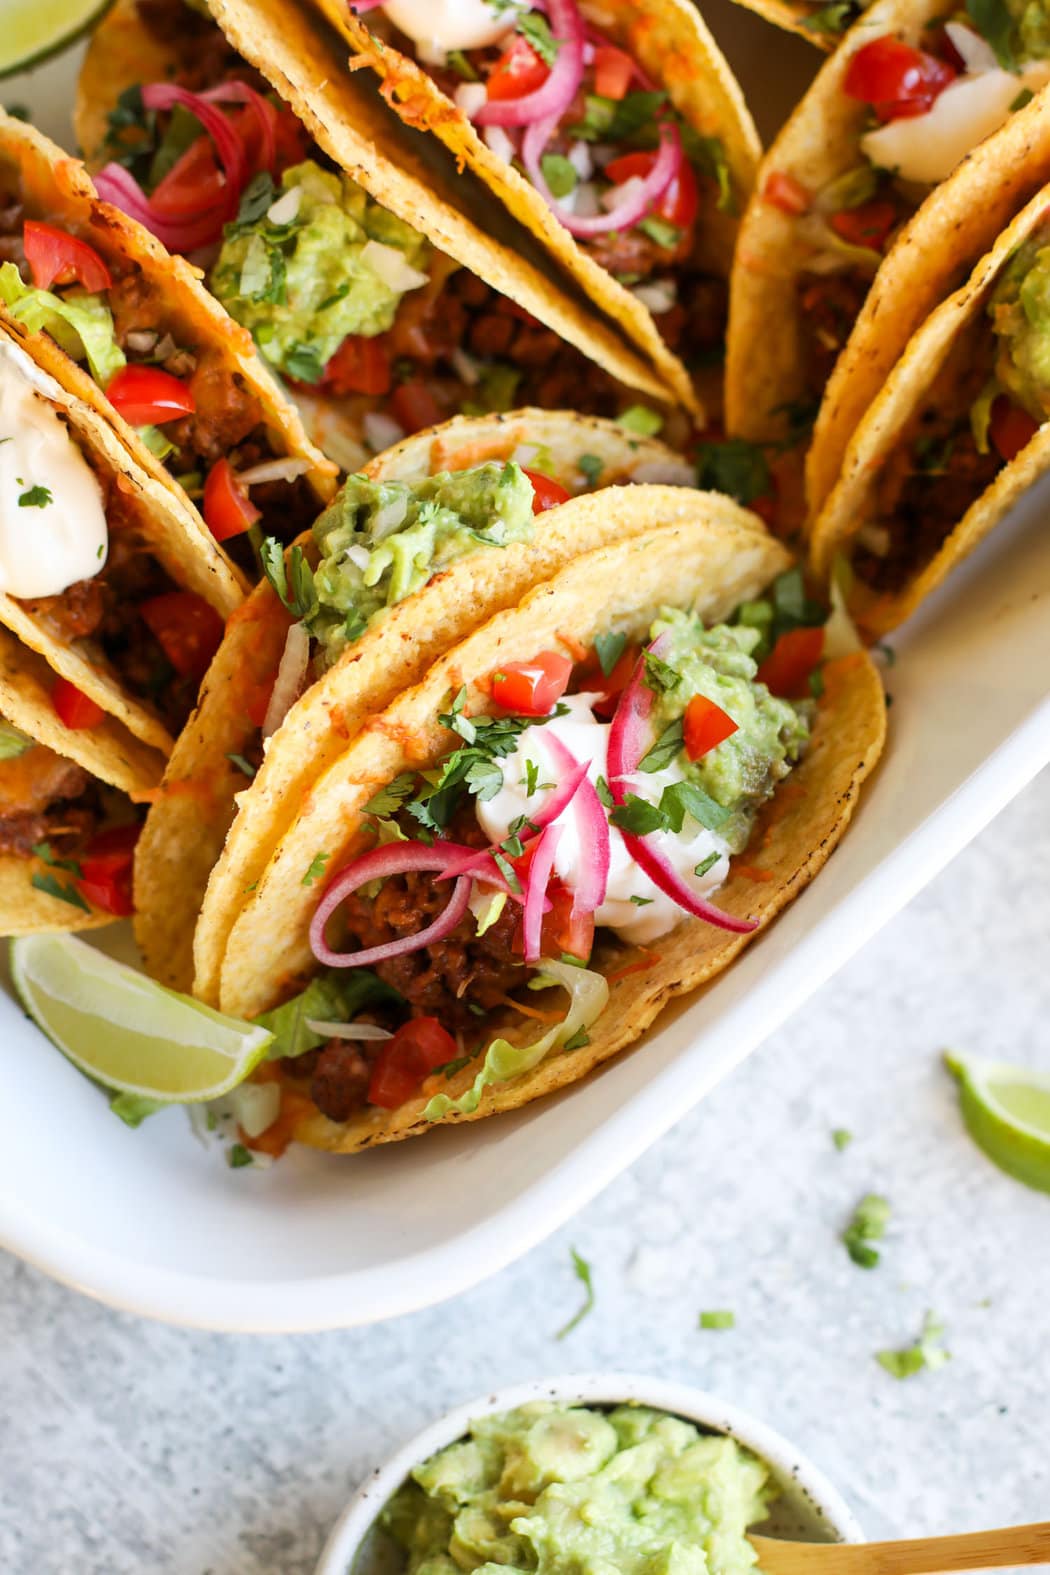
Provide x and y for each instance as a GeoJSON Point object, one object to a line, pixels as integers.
{"type": "Point", "coordinates": [1007, 1112]}
{"type": "Point", "coordinates": [35, 29]}
{"type": "Point", "coordinates": [126, 1031]}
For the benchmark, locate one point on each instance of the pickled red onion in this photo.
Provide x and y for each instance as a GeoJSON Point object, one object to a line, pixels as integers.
{"type": "Point", "coordinates": [536, 882]}
{"type": "Point", "coordinates": [557, 93]}
{"type": "Point", "coordinates": [396, 858]}
{"type": "Point", "coordinates": [629, 736]}
{"type": "Point", "coordinates": [549, 810]}
{"type": "Point", "coordinates": [647, 192]}
{"type": "Point", "coordinates": [593, 829]}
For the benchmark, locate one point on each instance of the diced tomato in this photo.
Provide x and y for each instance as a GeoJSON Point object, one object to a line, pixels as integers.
{"type": "Point", "coordinates": [613, 686]}
{"type": "Point", "coordinates": [868, 225]}
{"type": "Point", "coordinates": [1010, 428]}
{"type": "Point", "coordinates": [192, 185]}
{"type": "Point", "coordinates": [146, 395]}
{"type": "Point", "coordinates": [228, 510]}
{"type": "Point", "coordinates": [546, 493]}
{"type": "Point", "coordinates": [563, 930]}
{"type": "Point", "coordinates": [705, 726]}
{"type": "Point", "coordinates": [678, 205]}
{"type": "Point", "coordinates": [105, 870]}
{"type": "Point", "coordinates": [783, 191]}
{"type": "Point", "coordinates": [786, 669]}
{"type": "Point", "coordinates": [405, 1062]}
{"type": "Point", "coordinates": [898, 80]}
{"type": "Point", "coordinates": [532, 688]}
{"type": "Point", "coordinates": [56, 257]}
{"type": "Point", "coordinates": [73, 707]}
{"type": "Point", "coordinates": [414, 406]}
{"type": "Point", "coordinates": [518, 71]}
{"type": "Point", "coordinates": [361, 365]}
{"type": "Point", "coordinates": [187, 629]}
{"type": "Point", "coordinates": [613, 71]}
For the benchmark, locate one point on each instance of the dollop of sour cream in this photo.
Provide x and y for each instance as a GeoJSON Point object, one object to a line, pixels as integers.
{"type": "Point", "coordinates": [436, 26]}
{"type": "Point", "coordinates": [52, 515]}
{"type": "Point", "coordinates": [926, 148]}
{"type": "Point", "coordinates": [587, 738]}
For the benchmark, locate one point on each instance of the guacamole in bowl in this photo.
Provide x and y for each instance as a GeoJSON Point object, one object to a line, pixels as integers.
{"type": "Point", "coordinates": [590, 1475]}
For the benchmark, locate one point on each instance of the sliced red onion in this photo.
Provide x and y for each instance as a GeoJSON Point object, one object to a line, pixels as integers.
{"type": "Point", "coordinates": [559, 90]}
{"type": "Point", "coordinates": [629, 737]}
{"type": "Point", "coordinates": [361, 6]}
{"type": "Point", "coordinates": [264, 112]}
{"type": "Point", "coordinates": [540, 866]}
{"type": "Point", "coordinates": [593, 828]}
{"type": "Point", "coordinates": [288, 685]}
{"type": "Point", "coordinates": [228, 146]}
{"type": "Point", "coordinates": [476, 860]}
{"type": "Point", "coordinates": [117, 185]}
{"type": "Point", "coordinates": [395, 858]}
{"type": "Point", "coordinates": [646, 193]}
{"type": "Point", "coordinates": [370, 1031]}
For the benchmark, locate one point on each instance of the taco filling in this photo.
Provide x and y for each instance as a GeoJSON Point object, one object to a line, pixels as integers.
{"type": "Point", "coordinates": [73, 555]}
{"type": "Point", "coordinates": [55, 817]}
{"type": "Point", "coordinates": [379, 334]}
{"type": "Point", "coordinates": [593, 809]}
{"type": "Point", "coordinates": [600, 143]}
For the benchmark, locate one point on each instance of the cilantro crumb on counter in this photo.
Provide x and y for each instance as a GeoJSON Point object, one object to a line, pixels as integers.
{"type": "Point", "coordinates": [718, 1319]}
{"type": "Point", "coordinates": [582, 1270]}
{"type": "Point", "coordinates": [870, 1218]}
{"type": "Point", "coordinates": [842, 1137]}
{"type": "Point", "coordinates": [927, 1352]}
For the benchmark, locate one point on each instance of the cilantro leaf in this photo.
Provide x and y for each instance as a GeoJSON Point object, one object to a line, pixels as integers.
{"type": "Point", "coordinates": [660, 676]}
{"type": "Point", "coordinates": [45, 854]}
{"type": "Point", "coordinates": [291, 578]}
{"type": "Point", "coordinates": [37, 497]}
{"type": "Point", "coordinates": [303, 362]}
{"type": "Point", "coordinates": [609, 648]}
{"type": "Point", "coordinates": [617, 120]}
{"type": "Point", "coordinates": [390, 798]}
{"type": "Point", "coordinates": [736, 467]}
{"type": "Point", "coordinates": [667, 748]}
{"type": "Point", "coordinates": [316, 870]}
{"type": "Point", "coordinates": [238, 1157]}
{"type": "Point", "coordinates": [535, 30]}
{"type": "Point", "coordinates": [585, 1275]}
{"type": "Point", "coordinates": [679, 799]}
{"type": "Point", "coordinates": [868, 1224]}
{"type": "Point", "coordinates": [706, 864]}
{"type": "Point", "coordinates": [993, 21]}
{"type": "Point", "coordinates": [591, 466]}
{"type": "Point", "coordinates": [53, 887]}
{"type": "Point", "coordinates": [638, 817]}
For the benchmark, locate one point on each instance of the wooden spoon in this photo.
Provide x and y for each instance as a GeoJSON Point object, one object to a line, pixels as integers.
{"type": "Point", "coordinates": [973, 1550]}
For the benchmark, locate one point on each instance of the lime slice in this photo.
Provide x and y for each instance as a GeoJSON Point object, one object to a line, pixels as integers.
{"type": "Point", "coordinates": [35, 29]}
{"type": "Point", "coordinates": [126, 1031]}
{"type": "Point", "coordinates": [1007, 1111]}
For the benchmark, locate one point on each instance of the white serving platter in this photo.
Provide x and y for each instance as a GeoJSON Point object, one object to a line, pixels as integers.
{"type": "Point", "coordinates": [152, 1222]}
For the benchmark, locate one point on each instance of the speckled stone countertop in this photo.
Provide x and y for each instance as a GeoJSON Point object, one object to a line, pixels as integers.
{"type": "Point", "coordinates": [129, 1447]}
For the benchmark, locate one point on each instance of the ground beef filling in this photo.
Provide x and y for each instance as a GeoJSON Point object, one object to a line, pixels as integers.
{"type": "Point", "coordinates": [44, 798]}
{"type": "Point", "coordinates": [829, 305]}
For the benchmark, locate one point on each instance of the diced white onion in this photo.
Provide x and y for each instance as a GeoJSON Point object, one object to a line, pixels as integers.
{"type": "Point", "coordinates": [289, 681]}
{"type": "Point", "coordinates": [141, 340]}
{"type": "Point", "coordinates": [585, 203]}
{"type": "Point", "coordinates": [620, 196]}
{"type": "Point", "coordinates": [658, 296]}
{"type": "Point", "coordinates": [977, 54]}
{"type": "Point", "coordinates": [665, 472]}
{"type": "Point", "coordinates": [168, 347]}
{"type": "Point", "coordinates": [390, 264]}
{"type": "Point", "coordinates": [273, 470]}
{"type": "Point", "coordinates": [525, 455]}
{"type": "Point", "coordinates": [381, 431]}
{"type": "Point", "coordinates": [255, 1106]}
{"type": "Point", "coordinates": [579, 156]}
{"type": "Point", "coordinates": [470, 96]}
{"type": "Point", "coordinates": [348, 1030]}
{"type": "Point", "coordinates": [286, 208]}
{"type": "Point", "coordinates": [466, 366]}
{"type": "Point", "coordinates": [498, 142]}
{"type": "Point", "coordinates": [359, 556]}
{"type": "Point", "coordinates": [389, 517]}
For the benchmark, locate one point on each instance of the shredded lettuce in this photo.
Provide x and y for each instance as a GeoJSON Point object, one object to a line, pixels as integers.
{"type": "Point", "coordinates": [588, 993]}
{"type": "Point", "coordinates": [81, 324]}
{"type": "Point", "coordinates": [330, 998]}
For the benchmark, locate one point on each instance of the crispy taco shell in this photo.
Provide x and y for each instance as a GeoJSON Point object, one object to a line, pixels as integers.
{"type": "Point", "coordinates": [107, 752]}
{"type": "Point", "coordinates": [709, 561]}
{"type": "Point", "coordinates": [304, 60]}
{"type": "Point", "coordinates": [55, 188]}
{"type": "Point", "coordinates": [672, 44]}
{"type": "Point", "coordinates": [936, 355]}
{"type": "Point", "coordinates": [765, 366]}
{"type": "Point", "coordinates": [185, 832]}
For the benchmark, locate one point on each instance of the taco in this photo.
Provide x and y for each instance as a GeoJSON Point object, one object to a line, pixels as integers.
{"type": "Point", "coordinates": [155, 355]}
{"type": "Point", "coordinates": [67, 826]}
{"type": "Point", "coordinates": [616, 133]}
{"type": "Point", "coordinates": [886, 121]}
{"type": "Point", "coordinates": [955, 437]}
{"type": "Point", "coordinates": [494, 834]}
{"type": "Point", "coordinates": [376, 279]}
{"type": "Point", "coordinates": [433, 537]}
{"type": "Point", "coordinates": [99, 571]}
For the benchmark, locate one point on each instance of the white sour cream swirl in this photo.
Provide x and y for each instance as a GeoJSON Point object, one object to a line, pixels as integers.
{"type": "Point", "coordinates": [436, 26]}
{"type": "Point", "coordinates": [45, 546]}
{"type": "Point", "coordinates": [587, 739]}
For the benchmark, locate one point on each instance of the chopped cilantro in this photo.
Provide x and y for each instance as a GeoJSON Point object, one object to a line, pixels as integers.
{"type": "Point", "coordinates": [316, 869]}
{"type": "Point", "coordinates": [709, 155]}
{"type": "Point", "coordinates": [257, 199]}
{"type": "Point", "coordinates": [591, 466]}
{"type": "Point", "coordinates": [736, 467]}
{"type": "Point", "coordinates": [617, 120]}
{"type": "Point", "coordinates": [658, 230]}
{"type": "Point", "coordinates": [535, 30]}
{"type": "Point", "coordinates": [660, 676]}
{"type": "Point", "coordinates": [532, 774]}
{"type": "Point", "coordinates": [458, 62]}
{"type": "Point", "coordinates": [579, 1039]}
{"type": "Point", "coordinates": [842, 1137]}
{"type": "Point", "coordinates": [583, 1273]}
{"type": "Point", "coordinates": [868, 1224]}
{"type": "Point", "coordinates": [706, 864]}
{"type": "Point", "coordinates": [642, 902]}
{"type": "Point", "coordinates": [45, 854]}
{"type": "Point", "coordinates": [53, 887]}
{"type": "Point", "coordinates": [508, 872]}
{"type": "Point", "coordinates": [303, 362]}
{"type": "Point", "coordinates": [720, 1319]}
{"type": "Point", "coordinates": [679, 799]}
{"type": "Point", "coordinates": [242, 764]}
{"type": "Point", "coordinates": [1024, 97]}
{"type": "Point", "coordinates": [609, 648]}
{"type": "Point", "coordinates": [292, 579]}
{"type": "Point", "coordinates": [637, 816]}
{"type": "Point", "coordinates": [993, 21]}
{"type": "Point", "coordinates": [474, 768]}
{"type": "Point", "coordinates": [640, 420]}
{"type": "Point", "coordinates": [450, 1068]}
{"type": "Point", "coordinates": [390, 798]}
{"type": "Point", "coordinates": [605, 798]}
{"type": "Point", "coordinates": [37, 497]}
{"type": "Point", "coordinates": [238, 1156]}
{"type": "Point", "coordinates": [926, 1352]}
{"type": "Point", "coordinates": [667, 748]}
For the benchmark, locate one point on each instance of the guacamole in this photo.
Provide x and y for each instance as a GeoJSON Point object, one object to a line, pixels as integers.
{"type": "Point", "coordinates": [380, 541]}
{"type": "Point", "coordinates": [568, 1491]}
{"type": "Point", "coordinates": [1031, 29]}
{"type": "Point", "coordinates": [743, 770]}
{"type": "Point", "coordinates": [1020, 314]}
{"type": "Point", "coordinates": [302, 277]}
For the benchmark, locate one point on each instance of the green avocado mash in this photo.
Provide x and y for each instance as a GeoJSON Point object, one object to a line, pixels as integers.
{"type": "Point", "coordinates": [567, 1491]}
{"type": "Point", "coordinates": [1020, 314]}
{"type": "Point", "coordinates": [1031, 29]}
{"type": "Point", "coordinates": [380, 541]}
{"type": "Point", "coordinates": [304, 284]}
{"type": "Point", "coordinates": [743, 770]}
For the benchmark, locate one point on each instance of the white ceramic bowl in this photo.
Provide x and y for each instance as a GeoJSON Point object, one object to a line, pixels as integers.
{"type": "Point", "coordinates": [810, 1509]}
